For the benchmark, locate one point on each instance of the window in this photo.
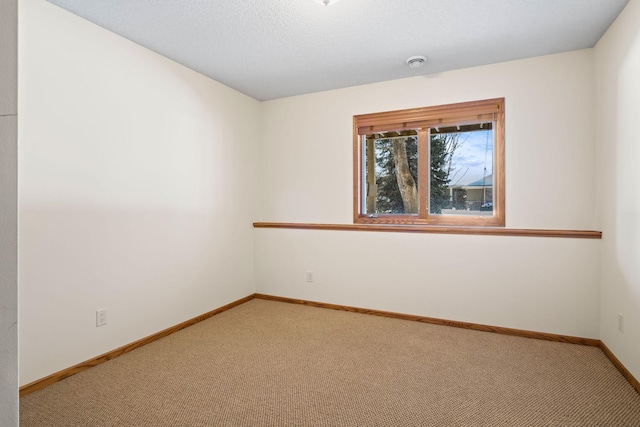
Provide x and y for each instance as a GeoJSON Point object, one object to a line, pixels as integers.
{"type": "Point", "coordinates": [440, 165]}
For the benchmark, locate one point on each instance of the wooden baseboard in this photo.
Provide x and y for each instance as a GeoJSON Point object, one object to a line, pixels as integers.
{"type": "Point", "coordinates": [58, 376]}
{"type": "Point", "coordinates": [623, 370]}
{"type": "Point", "coordinates": [474, 326]}
{"type": "Point", "coordinates": [83, 366]}
{"type": "Point", "coordinates": [436, 321]}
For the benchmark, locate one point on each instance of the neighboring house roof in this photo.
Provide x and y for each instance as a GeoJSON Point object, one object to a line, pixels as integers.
{"type": "Point", "coordinates": [487, 181]}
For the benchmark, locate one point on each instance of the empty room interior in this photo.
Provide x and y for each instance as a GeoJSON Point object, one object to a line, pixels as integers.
{"type": "Point", "coordinates": [153, 193]}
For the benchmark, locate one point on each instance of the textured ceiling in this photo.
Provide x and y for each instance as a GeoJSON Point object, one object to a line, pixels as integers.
{"type": "Point", "coordinates": [275, 48]}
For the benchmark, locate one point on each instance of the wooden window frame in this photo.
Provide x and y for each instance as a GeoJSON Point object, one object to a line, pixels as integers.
{"type": "Point", "coordinates": [423, 119]}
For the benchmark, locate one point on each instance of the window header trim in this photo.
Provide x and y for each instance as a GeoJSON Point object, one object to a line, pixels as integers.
{"type": "Point", "coordinates": [440, 116]}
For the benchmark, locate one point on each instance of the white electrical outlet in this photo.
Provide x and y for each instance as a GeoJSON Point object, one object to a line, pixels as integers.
{"type": "Point", "coordinates": [309, 276]}
{"type": "Point", "coordinates": [101, 317]}
{"type": "Point", "coordinates": [621, 322]}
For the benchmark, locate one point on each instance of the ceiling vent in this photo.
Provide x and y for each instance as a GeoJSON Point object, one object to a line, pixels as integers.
{"type": "Point", "coordinates": [326, 2]}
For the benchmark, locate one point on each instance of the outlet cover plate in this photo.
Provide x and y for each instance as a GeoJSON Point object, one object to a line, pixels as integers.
{"type": "Point", "coordinates": [101, 317]}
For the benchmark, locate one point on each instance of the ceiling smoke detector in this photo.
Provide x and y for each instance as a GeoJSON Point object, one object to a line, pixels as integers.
{"type": "Point", "coordinates": [416, 61]}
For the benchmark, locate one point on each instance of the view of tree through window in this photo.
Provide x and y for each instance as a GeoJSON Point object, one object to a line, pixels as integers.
{"type": "Point", "coordinates": [460, 181]}
{"type": "Point", "coordinates": [440, 169]}
{"type": "Point", "coordinates": [396, 175]}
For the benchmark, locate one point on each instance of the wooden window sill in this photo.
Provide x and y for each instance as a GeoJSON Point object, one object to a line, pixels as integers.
{"type": "Point", "coordinates": [436, 229]}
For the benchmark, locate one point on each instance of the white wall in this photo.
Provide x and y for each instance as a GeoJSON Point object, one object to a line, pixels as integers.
{"type": "Point", "coordinates": [8, 213]}
{"type": "Point", "coordinates": [617, 58]}
{"type": "Point", "coordinates": [135, 195]}
{"type": "Point", "coordinates": [540, 284]}
{"type": "Point", "coordinates": [136, 189]}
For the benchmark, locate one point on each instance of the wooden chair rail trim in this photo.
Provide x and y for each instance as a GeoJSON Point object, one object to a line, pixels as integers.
{"type": "Point", "coordinates": [65, 373]}
{"type": "Point", "coordinates": [438, 229]}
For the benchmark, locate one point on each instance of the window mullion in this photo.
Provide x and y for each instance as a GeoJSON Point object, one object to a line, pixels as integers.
{"type": "Point", "coordinates": [423, 171]}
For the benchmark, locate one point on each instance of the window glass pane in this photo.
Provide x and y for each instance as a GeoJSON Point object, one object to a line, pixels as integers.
{"type": "Point", "coordinates": [461, 171]}
{"type": "Point", "coordinates": [391, 173]}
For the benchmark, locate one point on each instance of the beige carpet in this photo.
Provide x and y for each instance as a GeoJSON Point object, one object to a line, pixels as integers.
{"type": "Point", "coordinates": [267, 363]}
